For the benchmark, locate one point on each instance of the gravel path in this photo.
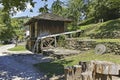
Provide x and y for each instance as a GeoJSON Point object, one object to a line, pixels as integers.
{"type": "Point", "coordinates": [19, 65]}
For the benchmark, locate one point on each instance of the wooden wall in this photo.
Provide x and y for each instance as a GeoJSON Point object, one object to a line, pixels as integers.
{"type": "Point", "coordinates": [50, 27]}
{"type": "Point", "coordinates": [46, 27]}
{"type": "Point", "coordinates": [32, 29]}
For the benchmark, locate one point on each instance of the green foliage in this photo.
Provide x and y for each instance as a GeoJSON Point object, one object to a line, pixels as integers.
{"type": "Point", "coordinates": [10, 27]}
{"type": "Point", "coordinates": [104, 9]}
{"type": "Point", "coordinates": [87, 21]}
{"type": "Point", "coordinates": [57, 7]}
{"type": "Point", "coordinates": [74, 10]}
{"type": "Point", "coordinates": [18, 27]}
{"type": "Point", "coordinates": [18, 48]}
{"type": "Point", "coordinates": [100, 9]}
{"type": "Point", "coordinates": [61, 41]}
{"type": "Point", "coordinates": [6, 31]}
{"type": "Point", "coordinates": [13, 6]}
{"type": "Point", "coordinates": [44, 9]}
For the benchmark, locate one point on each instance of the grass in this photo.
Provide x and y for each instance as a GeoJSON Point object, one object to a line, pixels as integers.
{"type": "Point", "coordinates": [57, 66]}
{"type": "Point", "coordinates": [18, 48]}
{"type": "Point", "coordinates": [108, 26]}
{"type": "Point", "coordinates": [1, 44]}
{"type": "Point", "coordinates": [107, 40]}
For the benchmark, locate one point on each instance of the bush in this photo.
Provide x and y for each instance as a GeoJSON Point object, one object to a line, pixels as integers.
{"type": "Point", "coordinates": [61, 41]}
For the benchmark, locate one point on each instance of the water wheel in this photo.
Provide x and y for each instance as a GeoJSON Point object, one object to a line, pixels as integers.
{"type": "Point", "coordinates": [100, 49]}
{"type": "Point", "coordinates": [48, 43]}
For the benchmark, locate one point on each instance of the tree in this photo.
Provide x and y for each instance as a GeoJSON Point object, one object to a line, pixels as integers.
{"type": "Point", "coordinates": [57, 7]}
{"type": "Point", "coordinates": [74, 10]}
{"type": "Point", "coordinates": [44, 9]}
{"type": "Point", "coordinates": [15, 5]}
{"type": "Point", "coordinates": [6, 32]}
{"type": "Point", "coordinates": [104, 9]}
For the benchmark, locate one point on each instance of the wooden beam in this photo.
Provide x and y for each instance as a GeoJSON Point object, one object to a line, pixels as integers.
{"type": "Point", "coordinates": [55, 42]}
{"type": "Point", "coordinates": [36, 29]}
{"type": "Point", "coordinates": [41, 45]}
{"type": "Point", "coordinates": [59, 34]}
{"type": "Point", "coordinates": [37, 47]}
{"type": "Point", "coordinates": [30, 29]}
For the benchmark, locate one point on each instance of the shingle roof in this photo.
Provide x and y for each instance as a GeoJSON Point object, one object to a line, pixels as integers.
{"type": "Point", "coordinates": [48, 16]}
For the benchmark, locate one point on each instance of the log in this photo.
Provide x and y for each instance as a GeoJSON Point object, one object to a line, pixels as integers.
{"type": "Point", "coordinates": [84, 65]}
{"type": "Point", "coordinates": [108, 68]}
{"type": "Point", "coordinates": [69, 73]}
{"type": "Point", "coordinates": [87, 75]}
{"type": "Point", "coordinates": [102, 77]}
{"type": "Point", "coordinates": [77, 72]}
{"type": "Point", "coordinates": [93, 70]}
{"type": "Point", "coordinates": [73, 73]}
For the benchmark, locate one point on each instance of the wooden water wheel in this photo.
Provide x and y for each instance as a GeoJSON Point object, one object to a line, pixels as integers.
{"type": "Point", "coordinates": [47, 43]}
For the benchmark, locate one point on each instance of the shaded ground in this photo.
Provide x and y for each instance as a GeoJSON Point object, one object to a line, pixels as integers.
{"type": "Point", "coordinates": [19, 65]}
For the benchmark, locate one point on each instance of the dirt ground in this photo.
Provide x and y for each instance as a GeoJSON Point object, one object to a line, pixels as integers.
{"type": "Point", "coordinates": [19, 65]}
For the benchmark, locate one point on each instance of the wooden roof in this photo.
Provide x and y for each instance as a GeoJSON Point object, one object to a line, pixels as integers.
{"type": "Point", "coordinates": [48, 16]}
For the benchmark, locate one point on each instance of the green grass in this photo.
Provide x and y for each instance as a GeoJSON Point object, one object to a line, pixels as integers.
{"type": "Point", "coordinates": [107, 40]}
{"type": "Point", "coordinates": [18, 48]}
{"type": "Point", "coordinates": [1, 44]}
{"type": "Point", "coordinates": [57, 66]}
{"type": "Point", "coordinates": [108, 26]}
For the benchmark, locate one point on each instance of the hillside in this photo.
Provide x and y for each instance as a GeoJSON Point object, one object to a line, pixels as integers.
{"type": "Point", "coordinates": [108, 29]}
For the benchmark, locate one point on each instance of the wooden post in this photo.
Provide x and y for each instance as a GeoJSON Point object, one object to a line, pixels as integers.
{"type": "Point", "coordinates": [41, 45]}
{"type": "Point", "coordinates": [84, 65]}
{"type": "Point", "coordinates": [69, 73]}
{"type": "Point", "coordinates": [70, 35]}
{"type": "Point", "coordinates": [30, 30]}
{"type": "Point", "coordinates": [55, 42]}
{"type": "Point", "coordinates": [37, 47]}
{"type": "Point", "coordinates": [36, 31]}
{"type": "Point", "coordinates": [77, 72]}
{"type": "Point", "coordinates": [87, 75]}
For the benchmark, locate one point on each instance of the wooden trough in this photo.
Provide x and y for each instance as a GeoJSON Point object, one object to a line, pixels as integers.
{"type": "Point", "coordinates": [93, 70]}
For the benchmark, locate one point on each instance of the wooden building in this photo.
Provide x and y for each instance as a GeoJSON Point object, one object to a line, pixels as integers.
{"type": "Point", "coordinates": [43, 25]}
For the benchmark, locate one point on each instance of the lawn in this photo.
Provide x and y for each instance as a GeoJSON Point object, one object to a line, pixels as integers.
{"type": "Point", "coordinates": [107, 40]}
{"type": "Point", "coordinates": [57, 66]}
{"type": "Point", "coordinates": [1, 44]}
{"type": "Point", "coordinates": [106, 29]}
{"type": "Point", "coordinates": [18, 48]}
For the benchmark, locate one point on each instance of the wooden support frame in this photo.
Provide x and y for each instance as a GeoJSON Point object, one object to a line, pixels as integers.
{"type": "Point", "coordinates": [50, 41]}
{"type": "Point", "coordinates": [30, 30]}
{"type": "Point", "coordinates": [55, 42]}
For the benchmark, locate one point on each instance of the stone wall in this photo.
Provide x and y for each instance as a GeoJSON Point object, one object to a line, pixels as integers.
{"type": "Point", "coordinates": [79, 44]}
{"type": "Point", "coordinates": [83, 45]}
{"type": "Point", "coordinates": [112, 47]}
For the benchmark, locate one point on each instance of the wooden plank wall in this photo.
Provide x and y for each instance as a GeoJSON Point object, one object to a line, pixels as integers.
{"type": "Point", "coordinates": [32, 30]}
{"type": "Point", "coordinates": [50, 27]}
